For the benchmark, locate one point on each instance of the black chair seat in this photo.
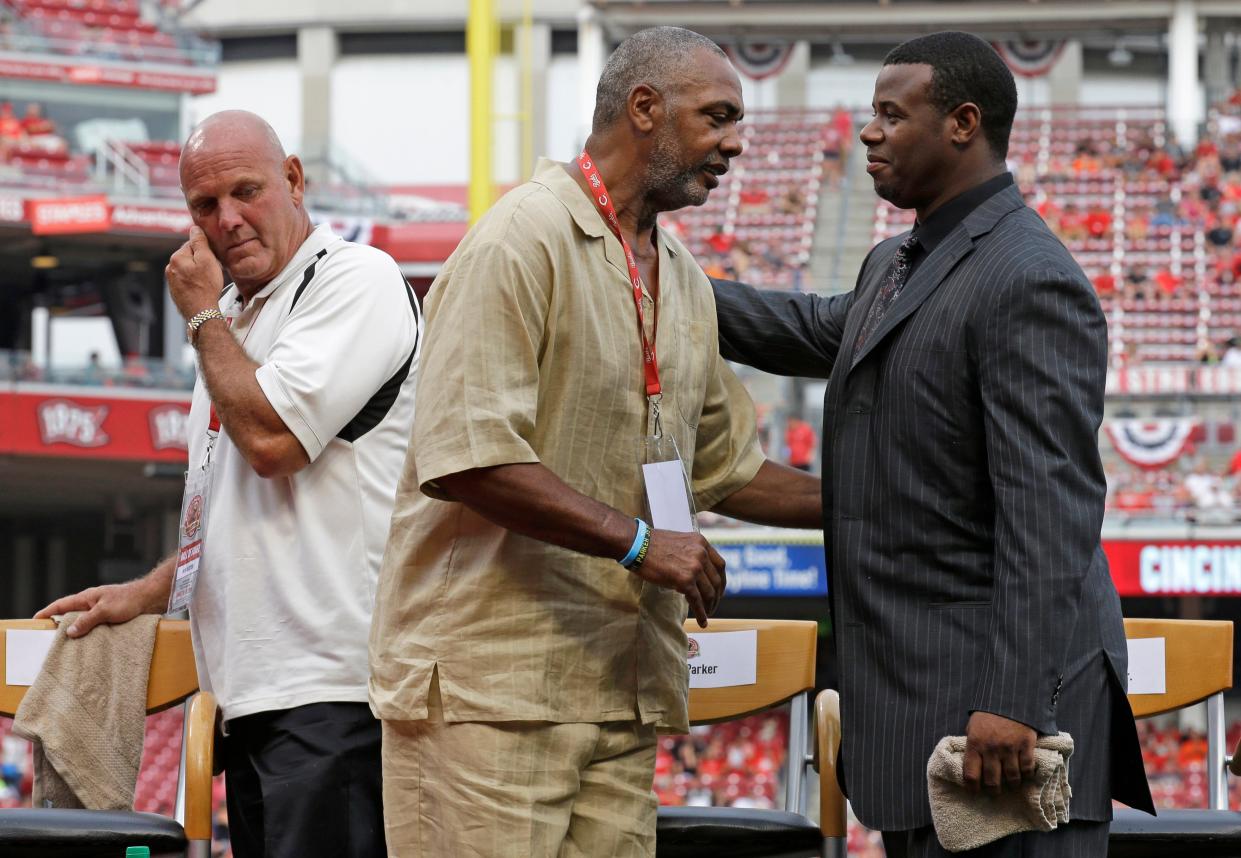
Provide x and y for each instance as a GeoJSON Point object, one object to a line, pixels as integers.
{"type": "Point", "coordinates": [695, 832]}
{"type": "Point", "coordinates": [1175, 832]}
{"type": "Point", "coordinates": [27, 833]}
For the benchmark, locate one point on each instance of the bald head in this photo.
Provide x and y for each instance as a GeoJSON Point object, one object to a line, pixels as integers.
{"type": "Point", "coordinates": [660, 57]}
{"type": "Point", "coordinates": [246, 195]}
{"type": "Point", "coordinates": [236, 130]}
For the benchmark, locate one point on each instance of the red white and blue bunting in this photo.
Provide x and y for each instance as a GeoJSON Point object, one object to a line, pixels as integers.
{"type": "Point", "coordinates": [759, 60]}
{"type": "Point", "coordinates": [1152, 443]}
{"type": "Point", "coordinates": [1030, 58]}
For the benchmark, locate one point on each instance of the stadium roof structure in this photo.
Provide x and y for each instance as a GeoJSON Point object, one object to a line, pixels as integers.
{"type": "Point", "coordinates": [892, 18]}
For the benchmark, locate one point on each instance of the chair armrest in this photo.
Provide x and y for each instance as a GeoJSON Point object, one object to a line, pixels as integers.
{"type": "Point", "coordinates": [199, 747]}
{"type": "Point", "coordinates": [832, 811]}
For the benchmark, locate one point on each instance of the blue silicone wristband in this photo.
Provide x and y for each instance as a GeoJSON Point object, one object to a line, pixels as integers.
{"type": "Point", "coordinates": [643, 527]}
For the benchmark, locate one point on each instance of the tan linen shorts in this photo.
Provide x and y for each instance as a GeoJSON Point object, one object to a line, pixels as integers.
{"type": "Point", "coordinates": [517, 789]}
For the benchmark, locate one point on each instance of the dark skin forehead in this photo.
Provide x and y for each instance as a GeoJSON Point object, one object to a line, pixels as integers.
{"type": "Point", "coordinates": [905, 88]}
{"type": "Point", "coordinates": [711, 85]}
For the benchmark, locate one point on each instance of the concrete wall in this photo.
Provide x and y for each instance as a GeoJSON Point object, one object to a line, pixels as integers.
{"type": "Point", "coordinates": [270, 88]}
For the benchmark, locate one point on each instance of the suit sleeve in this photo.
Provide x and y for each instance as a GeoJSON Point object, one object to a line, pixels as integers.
{"type": "Point", "coordinates": [1042, 353]}
{"type": "Point", "coordinates": [785, 333]}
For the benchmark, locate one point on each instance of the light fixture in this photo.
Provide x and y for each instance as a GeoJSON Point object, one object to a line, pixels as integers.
{"type": "Point", "coordinates": [44, 261]}
{"type": "Point", "coordinates": [1120, 56]}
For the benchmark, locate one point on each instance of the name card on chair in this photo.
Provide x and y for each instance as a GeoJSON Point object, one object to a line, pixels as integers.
{"type": "Point", "coordinates": [723, 659]}
{"type": "Point", "coordinates": [25, 650]}
{"type": "Point", "coordinates": [1147, 666]}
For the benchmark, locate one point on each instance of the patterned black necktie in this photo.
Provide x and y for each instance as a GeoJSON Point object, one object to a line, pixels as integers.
{"type": "Point", "coordinates": [893, 283]}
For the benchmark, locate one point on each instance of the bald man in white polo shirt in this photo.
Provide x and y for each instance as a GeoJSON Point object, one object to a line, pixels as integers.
{"type": "Point", "coordinates": [303, 408]}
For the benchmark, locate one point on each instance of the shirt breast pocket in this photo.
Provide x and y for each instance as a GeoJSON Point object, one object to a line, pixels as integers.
{"type": "Point", "coordinates": [694, 360]}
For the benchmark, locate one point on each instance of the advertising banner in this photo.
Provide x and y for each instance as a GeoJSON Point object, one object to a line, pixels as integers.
{"type": "Point", "coordinates": [772, 566]}
{"type": "Point", "coordinates": [94, 426]}
{"type": "Point", "coordinates": [1175, 567]}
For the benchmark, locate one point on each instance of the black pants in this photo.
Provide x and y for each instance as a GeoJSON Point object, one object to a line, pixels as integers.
{"type": "Point", "coordinates": [1075, 840]}
{"type": "Point", "coordinates": [305, 782]}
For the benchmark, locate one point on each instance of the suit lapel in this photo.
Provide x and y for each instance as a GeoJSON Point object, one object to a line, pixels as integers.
{"type": "Point", "coordinates": [920, 286]}
{"type": "Point", "coordinates": [868, 291]}
{"type": "Point", "coordinates": [938, 265]}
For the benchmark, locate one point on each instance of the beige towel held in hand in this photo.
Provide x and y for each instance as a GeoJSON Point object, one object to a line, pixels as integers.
{"type": "Point", "coordinates": [86, 714]}
{"type": "Point", "coordinates": [966, 820]}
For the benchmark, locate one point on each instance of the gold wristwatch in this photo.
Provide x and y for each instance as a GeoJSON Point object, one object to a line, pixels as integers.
{"type": "Point", "coordinates": [196, 322]}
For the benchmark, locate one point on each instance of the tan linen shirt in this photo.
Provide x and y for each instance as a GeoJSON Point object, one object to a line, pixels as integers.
{"type": "Point", "coordinates": [533, 355]}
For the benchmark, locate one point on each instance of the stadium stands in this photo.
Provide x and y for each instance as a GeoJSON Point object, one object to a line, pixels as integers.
{"type": "Point", "coordinates": [106, 29]}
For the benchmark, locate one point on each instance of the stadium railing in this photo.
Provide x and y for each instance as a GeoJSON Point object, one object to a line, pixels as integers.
{"type": "Point", "coordinates": [173, 679]}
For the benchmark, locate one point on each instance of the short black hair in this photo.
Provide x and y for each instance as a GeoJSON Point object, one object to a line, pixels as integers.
{"type": "Point", "coordinates": [965, 68]}
{"type": "Point", "coordinates": [658, 57]}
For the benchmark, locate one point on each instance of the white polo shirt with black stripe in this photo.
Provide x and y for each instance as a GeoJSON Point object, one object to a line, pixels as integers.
{"type": "Point", "coordinates": [282, 610]}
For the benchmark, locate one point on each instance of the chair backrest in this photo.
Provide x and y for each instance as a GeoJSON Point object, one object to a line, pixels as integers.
{"type": "Point", "coordinates": [1197, 666]}
{"type": "Point", "coordinates": [1197, 662]}
{"type": "Point", "coordinates": [784, 671]}
{"type": "Point", "coordinates": [785, 668]}
{"type": "Point", "coordinates": [172, 679]}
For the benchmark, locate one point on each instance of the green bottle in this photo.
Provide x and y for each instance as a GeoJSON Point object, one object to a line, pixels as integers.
{"type": "Point", "coordinates": [137, 852]}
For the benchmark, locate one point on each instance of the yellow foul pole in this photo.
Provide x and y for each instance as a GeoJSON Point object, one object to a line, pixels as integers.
{"type": "Point", "coordinates": [482, 45]}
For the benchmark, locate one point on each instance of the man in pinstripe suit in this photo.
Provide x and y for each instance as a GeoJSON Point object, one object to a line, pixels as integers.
{"type": "Point", "coordinates": [963, 490]}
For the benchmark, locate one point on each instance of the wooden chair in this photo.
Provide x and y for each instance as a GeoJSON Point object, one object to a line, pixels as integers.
{"type": "Point", "coordinates": [1198, 667]}
{"type": "Point", "coordinates": [785, 673]}
{"type": "Point", "coordinates": [173, 679]}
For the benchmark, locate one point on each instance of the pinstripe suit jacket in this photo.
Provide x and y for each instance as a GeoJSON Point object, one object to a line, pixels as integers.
{"type": "Point", "coordinates": [963, 500]}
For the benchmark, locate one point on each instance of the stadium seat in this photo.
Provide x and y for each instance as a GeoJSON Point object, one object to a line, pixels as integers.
{"type": "Point", "coordinates": [1198, 667]}
{"type": "Point", "coordinates": [784, 673]}
{"type": "Point", "coordinates": [173, 679]}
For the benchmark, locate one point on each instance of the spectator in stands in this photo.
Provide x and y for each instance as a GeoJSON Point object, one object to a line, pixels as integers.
{"type": "Point", "coordinates": [35, 124]}
{"type": "Point", "coordinates": [1232, 352]}
{"type": "Point", "coordinates": [792, 202]}
{"type": "Point", "coordinates": [1220, 234]}
{"type": "Point", "coordinates": [94, 372]}
{"type": "Point", "coordinates": [307, 361]}
{"type": "Point", "coordinates": [1206, 353]}
{"type": "Point", "coordinates": [1105, 284]}
{"type": "Point", "coordinates": [537, 469]}
{"type": "Point", "coordinates": [1167, 282]}
{"type": "Point", "coordinates": [996, 305]}
{"type": "Point", "coordinates": [1137, 282]}
{"type": "Point", "coordinates": [11, 132]}
{"type": "Point", "coordinates": [800, 439]}
{"type": "Point", "coordinates": [1098, 222]}
{"type": "Point", "coordinates": [1072, 223]}
{"type": "Point", "coordinates": [1167, 214]}
{"type": "Point", "coordinates": [1207, 489]}
{"type": "Point", "coordinates": [1137, 226]}
{"type": "Point", "coordinates": [1086, 162]}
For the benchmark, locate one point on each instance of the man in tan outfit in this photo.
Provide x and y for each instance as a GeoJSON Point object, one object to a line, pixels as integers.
{"type": "Point", "coordinates": [522, 673]}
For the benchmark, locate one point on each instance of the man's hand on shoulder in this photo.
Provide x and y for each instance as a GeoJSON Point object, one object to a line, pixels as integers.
{"type": "Point", "coordinates": [999, 753]}
{"type": "Point", "coordinates": [687, 563]}
{"type": "Point", "coordinates": [195, 278]}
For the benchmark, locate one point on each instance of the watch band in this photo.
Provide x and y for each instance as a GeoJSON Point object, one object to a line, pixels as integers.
{"type": "Point", "coordinates": [196, 321]}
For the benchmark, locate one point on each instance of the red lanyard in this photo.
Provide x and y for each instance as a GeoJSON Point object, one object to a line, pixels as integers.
{"type": "Point", "coordinates": [604, 203]}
